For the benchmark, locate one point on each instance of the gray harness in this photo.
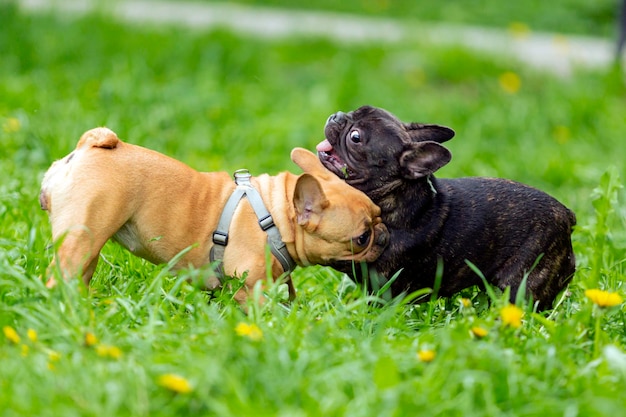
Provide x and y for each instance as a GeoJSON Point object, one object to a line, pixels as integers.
{"type": "Point", "coordinates": [274, 240]}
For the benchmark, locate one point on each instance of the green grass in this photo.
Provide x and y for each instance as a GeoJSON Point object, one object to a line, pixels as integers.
{"type": "Point", "coordinates": [221, 102]}
{"type": "Point", "coordinates": [582, 17]}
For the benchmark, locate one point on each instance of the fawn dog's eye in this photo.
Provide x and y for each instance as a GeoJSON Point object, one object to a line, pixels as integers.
{"type": "Point", "coordinates": [363, 240]}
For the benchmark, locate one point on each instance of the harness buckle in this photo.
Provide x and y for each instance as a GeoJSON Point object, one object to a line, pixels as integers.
{"type": "Point", "coordinates": [220, 238]}
{"type": "Point", "coordinates": [266, 222]}
{"type": "Point", "coordinates": [242, 177]}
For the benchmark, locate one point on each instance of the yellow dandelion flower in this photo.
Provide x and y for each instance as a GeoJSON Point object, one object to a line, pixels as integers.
{"type": "Point", "coordinates": [25, 350]}
{"type": "Point", "coordinates": [108, 351]}
{"type": "Point", "coordinates": [479, 332]}
{"type": "Point", "coordinates": [11, 334]}
{"type": "Point", "coordinates": [115, 352]}
{"type": "Point", "coordinates": [466, 302]}
{"type": "Point", "coordinates": [510, 82]}
{"type": "Point", "coordinates": [54, 356]}
{"type": "Point", "coordinates": [519, 30]}
{"type": "Point", "coordinates": [251, 331]}
{"type": "Point", "coordinates": [32, 335]}
{"type": "Point", "coordinates": [604, 298]}
{"type": "Point", "coordinates": [561, 134]}
{"type": "Point", "coordinates": [175, 383]}
{"type": "Point", "coordinates": [426, 355]}
{"type": "Point", "coordinates": [11, 125]}
{"type": "Point", "coordinates": [511, 316]}
{"type": "Point", "coordinates": [90, 339]}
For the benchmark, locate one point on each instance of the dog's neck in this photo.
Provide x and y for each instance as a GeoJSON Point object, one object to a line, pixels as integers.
{"type": "Point", "coordinates": [279, 201]}
{"type": "Point", "coordinates": [420, 193]}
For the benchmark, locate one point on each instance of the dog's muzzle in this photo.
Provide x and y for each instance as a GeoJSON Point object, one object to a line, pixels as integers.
{"type": "Point", "coordinates": [380, 242]}
{"type": "Point", "coordinates": [340, 118]}
{"type": "Point", "coordinates": [382, 239]}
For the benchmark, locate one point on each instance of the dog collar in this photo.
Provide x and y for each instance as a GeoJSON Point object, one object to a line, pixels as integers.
{"type": "Point", "coordinates": [274, 240]}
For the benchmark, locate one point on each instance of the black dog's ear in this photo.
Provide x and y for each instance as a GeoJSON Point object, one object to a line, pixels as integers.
{"type": "Point", "coordinates": [423, 158]}
{"type": "Point", "coordinates": [421, 132]}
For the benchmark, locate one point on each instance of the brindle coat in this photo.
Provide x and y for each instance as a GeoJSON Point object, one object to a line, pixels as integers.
{"type": "Point", "coordinates": [504, 228]}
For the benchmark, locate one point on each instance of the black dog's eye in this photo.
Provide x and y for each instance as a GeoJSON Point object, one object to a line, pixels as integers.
{"type": "Point", "coordinates": [355, 136]}
{"type": "Point", "coordinates": [363, 240]}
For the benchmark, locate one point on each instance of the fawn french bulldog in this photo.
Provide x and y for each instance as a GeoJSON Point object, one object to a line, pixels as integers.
{"type": "Point", "coordinates": [504, 228]}
{"type": "Point", "coordinates": [156, 207]}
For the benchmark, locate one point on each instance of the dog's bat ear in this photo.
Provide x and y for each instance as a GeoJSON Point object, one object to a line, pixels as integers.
{"type": "Point", "coordinates": [309, 199]}
{"type": "Point", "coordinates": [423, 132]}
{"type": "Point", "coordinates": [423, 158]}
{"type": "Point", "coordinates": [310, 163]}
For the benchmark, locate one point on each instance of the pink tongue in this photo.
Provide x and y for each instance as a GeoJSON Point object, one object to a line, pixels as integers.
{"type": "Point", "coordinates": [324, 146]}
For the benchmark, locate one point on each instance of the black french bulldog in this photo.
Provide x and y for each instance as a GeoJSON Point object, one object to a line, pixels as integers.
{"type": "Point", "coordinates": [506, 229]}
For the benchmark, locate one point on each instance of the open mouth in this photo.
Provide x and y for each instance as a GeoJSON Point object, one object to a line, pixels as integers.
{"type": "Point", "coordinates": [331, 160]}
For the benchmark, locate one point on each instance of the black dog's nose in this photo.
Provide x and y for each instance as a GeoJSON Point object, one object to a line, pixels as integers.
{"type": "Point", "coordinates": [382, 239]}
{"type": "Point", "coordinates": [339, 118]}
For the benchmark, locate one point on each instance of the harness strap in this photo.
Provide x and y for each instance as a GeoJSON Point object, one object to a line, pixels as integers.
{"type": "Point", "coordinates": [266, 222]}
{"type": "Point", "coordinates": [220, 236]}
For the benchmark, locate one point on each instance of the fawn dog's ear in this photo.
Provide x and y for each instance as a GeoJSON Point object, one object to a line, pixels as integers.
{"type": "Point", "coordinates": [310, 163]}
{"type": "Point", "coordinates": [309, 200]}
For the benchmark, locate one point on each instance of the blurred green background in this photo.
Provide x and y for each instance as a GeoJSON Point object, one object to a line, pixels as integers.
{"type": "Point", "coordinates": [221, 101]}
{"type": "Point", "coordinates": [582, 17]}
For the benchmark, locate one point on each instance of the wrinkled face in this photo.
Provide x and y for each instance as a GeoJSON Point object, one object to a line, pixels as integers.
{"type": "Point", "coordinates": [369, 147]}
{"type": "Point", "coordinates": [349, 229]}
{"type": "Point", "coordinates": [362, 143]}
{"type": "Point", "coordinates": [336, 222]}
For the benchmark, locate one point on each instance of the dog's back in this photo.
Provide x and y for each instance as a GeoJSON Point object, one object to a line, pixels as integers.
{"type": "Point", "coordinates": [505, 229]}
{"type": "Point", "coordinates": [96, 138]}
{"type": "Point", "coordinates": [539, 245]}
